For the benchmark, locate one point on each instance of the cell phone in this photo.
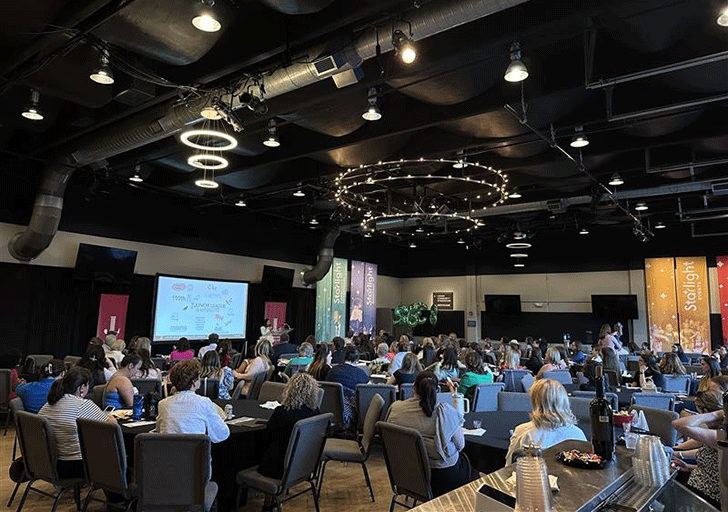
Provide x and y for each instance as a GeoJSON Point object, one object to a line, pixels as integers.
{"type": "Point", "coordinates": [109, 409]}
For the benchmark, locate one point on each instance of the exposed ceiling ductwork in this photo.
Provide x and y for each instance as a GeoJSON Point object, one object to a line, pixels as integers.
{"type": "Point", "coordinates": [148, 127]}
{"type": "Point", "coordinates": [326, 256]}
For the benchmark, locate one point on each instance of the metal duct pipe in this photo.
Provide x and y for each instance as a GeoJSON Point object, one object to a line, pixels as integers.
{"type": "Point", "coordinates": [326, 256]}
{"type": "Point", "coordinates": [140, 130]}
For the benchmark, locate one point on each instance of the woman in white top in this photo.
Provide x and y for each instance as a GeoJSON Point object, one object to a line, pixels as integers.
{"type": "Point", "coordinates": [552, 362]}
{"type": "Point", "coordinates": [551, 419]}
{"type": "Point", "coordinates": [249, 369]}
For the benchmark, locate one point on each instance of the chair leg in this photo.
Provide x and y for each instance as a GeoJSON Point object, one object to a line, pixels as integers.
{"type": "Point", "coordinates": [25, 495]}
{"type": "Point", "coordinates": [77, 497]}
{"type": "Point", "coordinates": [58, 498]}
{"type": "Point", "coordinates": [315, 496]}
{"type": "Point", "coordinates": [242, 493]}
{"type": "Point", "coordinates": [321, 475]}
{"type": "Point", "coordinates": [7, 421]}
{"type": "Point", "coordinates": [391, 505]}
{"type": "Point", "coordinates": [90, 494]}
{"type": "Point", "coordinates": [366, 477]}
{"type": "Point", "coordinates": [277, 504]}
{"type": "Point", "coordinates": [15, 444]}
{"type": "Point", "coordinates": [12, 496]}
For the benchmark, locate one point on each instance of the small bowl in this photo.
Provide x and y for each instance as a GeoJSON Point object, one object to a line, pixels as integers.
{"type": "Point", "coordinates": [621, 419]}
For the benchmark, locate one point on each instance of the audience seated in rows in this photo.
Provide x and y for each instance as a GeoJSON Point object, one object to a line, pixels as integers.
{"type": "Point", "coordinates": [211, 369]}
{"type": "Point", "coordinates": [262, 363]}
{"type": "Point", "coordinates": [181, 351]}
{"type": "Point", "coordinates": [119, 391]}
{"type": "Point", "coordinates": [35, 394]}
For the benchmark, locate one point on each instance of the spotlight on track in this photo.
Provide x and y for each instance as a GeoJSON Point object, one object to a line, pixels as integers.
{"type": "Point", "coordinates": [404, 46]}
{"type": "Point", "coordinates": [516, 71]}
{"type": "Point", "coordinates": [579, 139]}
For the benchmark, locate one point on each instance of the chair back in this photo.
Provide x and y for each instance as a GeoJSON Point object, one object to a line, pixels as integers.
{"type": "Point", "coordinates": [527, 382]}
{"type": "Point", "coordinates": [147, 386]}
{"type": "Point", "coordinates": [376, 406]}
{"type": "Point", "coordinates": [255, 384]}
{"type": "Point", "coordinates": [612, 397]}
{"type": "Point", "coordinates": [406, 391]}
{"type": "Point", "coordinates": [104, 455]}
{"type": "Point", "coordinates": [39, 360]}
{"type": "Point", "coordinates": [694, 368]}
{"type": "Point", "coordinates": [271, 391]}
{"type": "Point", "coordinates": [5, 384]}
{"type": "Point", "coordinates": [159, 362]}
{"type": "Point", "coordinates": [319, 397]}
{"type": "Point", "coordinates": [71, 360]}
{"type": "Point", "coordinates": [37, 445]}
{"type": "Point", "coordinates": [659, 421]}
{"type": "Point", "coordinates": [298, 368]}
{"type": "Point", "coordinates": [510, 401]}
{"type": "Point", "coordinates": [171, 471]}
{"type": "Point", "coordinates": [235, 360]}
{"type": "Point", "coordinates": [486, 397]}
{"type": "Point", "coordinates": [632, 365]}
{"type": "Point", "coordinates": [364, 395]}
{"type": "Point", "coordinates": [676, 384]}
{"type": "Point", "coordinates": [664, 401]}
{"type": "Point", "coordinates": [407, 463]}
{"type": "Point", "coordinates": [333, 402]}
{"type": "Point", "coordinates": [512, 380]}
{"type": "Point", "coordinates": [580, 407]}
{"type": "Point", "coordinates": [97, 395]}
{"type": "Point", "coordinates": [612, 378]}
{"type": "Point", "coordinates": [304, 449]}
{"type": "Point", "coordinates": [562, 376]}
{"type": "Point", "coordinates": [288, 357]}
{"type": "Point", "coordinates": [209, 388]}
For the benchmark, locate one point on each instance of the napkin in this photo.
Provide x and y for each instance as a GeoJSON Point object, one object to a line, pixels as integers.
{"type": "Point", "coordinates": [270, 405]}
{"type": "Point", "coordinates": [473, 431]}
{"type": "Point", "coordinates": [139, 423]}
{"type": "Point", "coordinates": [240, 421]}
{"type": "Point", "coordinates": [553, 481]}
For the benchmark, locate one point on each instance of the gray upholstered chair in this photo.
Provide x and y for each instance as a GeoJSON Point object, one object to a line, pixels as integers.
{"type": "Point", "coordinates": [209, 388]}
{"type": "Point", "coordinates": [71, 360]}
{"type": "Point", "coordinates": [104, 460]}
{"type": "Point", "coordinates": [407, 463]}
{"type": "Point", "coordinates": [486, 397]}
{"type": "Point", "coordinates": [580, 407]}
{"type": "Point", "coordinates": [562, 376]}
{"type": "Point", "coordinates": [664, 401]}
{"type": "Point", "coordinates": [97, 395]}
{"type": "Point", "coordinates": [406, 391]}
{"type": "Point", "coordinates": [172, 472]}
{"type": "Point", "coordinates": [38, 447]}
{"type": "Point", "coordinates": [512, 379]}
{"type": "Point", "coordinates": [39, 360]}
{"type": "Point", "coordinates": [333, 402]}
{"type": "Point", "coordinates": [16, 404]}
{"type": "Point", "coordinates": [345, 450]}
{"type": "Point", "coordinates": [300, 464]}
{"type": "Point", "coordinates": [145, 386]}
{"type": "Point", "coordinates": [271, 391]}
{"type": "Point", "coordinates": [509, 401]}
{"type": "Point", "coordinates": [364, 395]}
{"type": "Point", "coordinates": [612, 397]}
{"type": "Point", "coordinates": [255, 384]}
{"type": "Point", "coordinates": [676, 384]}
{"type": "Point", "coordinates": [659, 421]}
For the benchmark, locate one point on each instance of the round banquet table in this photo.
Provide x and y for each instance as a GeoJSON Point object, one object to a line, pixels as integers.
{"type": "Point", "coordinates": [487, 453]}
{"type": "Point", "coordinates": [243, 449]}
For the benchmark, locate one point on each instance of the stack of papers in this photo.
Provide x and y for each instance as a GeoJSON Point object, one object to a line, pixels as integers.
{"type": "Point", "coordinates": [473, 431]}
{"type": "Point", "coordinates": [270, 405]}
{"type": "Point", "coordinates": [241, 421]}
{"type": "Point", "coordinates": [140, 423]}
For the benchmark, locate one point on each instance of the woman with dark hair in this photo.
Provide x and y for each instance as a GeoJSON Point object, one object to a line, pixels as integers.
{"type": "Point", "coordinates": [711, 368]}
{"type": "Point", "coordinates": [147, 370]}
{"type": "Point", "coordinates": [35, 394]}
{"type": "Point", "coordinates": [441, 428]}
{"type": "Point", "coordinates": [677, 349]}
{"type": "Point", "coordinates": [476, 373]}
{"type": "Point", "coordinates": [211, 369]}
{"type": "Point", "coordinates": [590, 374]}
{"type": "Point", "coordinates": [119, 391]}
{"type": "Point", "coordinates": [650, 369]}
{"type": "Point", "coordinates": [349, 375]}
{"type": "Point", "coordinates": [223, 350]}
{"type": "Point", "coordinates": [182, 351]}
{"type": "Point", "coordinates": [408, 372]}
{"type": "Point", "coordinates": [671, 364]}
{"type": "Point", "coordinates": [65, 404]}
{"type": "Point", "coordinates": [447, 367]}
{"type": "Point", "coordinates": [428, 352]}
{"type": "Point", "coordinates": [319, 368]}
{"type": "Point", "coordinates": [94, 360]}
{"type": "Point", "coordinates": [577, 354]}
{"type": "Point", "coordinates": [610, 361]}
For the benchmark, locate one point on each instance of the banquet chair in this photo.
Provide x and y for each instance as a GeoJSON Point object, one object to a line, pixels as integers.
{"type": "Point", "coordinates": [5, 385]}
{"type": "Point", "coordinates": [406, 391]}
{"type": "Point", "coordinates": [664, 401]}
{"type": "Point", "coordinates": [172, 472]}
{"type": "Point", "coordinates": [71, 360]}
{"type": "Point", "coordinates": [16, 404]}
{"type": "Point", "coordinates": [104, 460]}
{"type": "Point", "coordinates": [254, 389]}
{"type": "Point", "coordinates": [145, 386]}
{"type": "Point", "coordinates": [39, 360]}
{"type": "Point", "coordinates": [612, 397]}
{"type": "Point", "coordinates": [38, 447]}
{"type": "Point", "coordinates": [159, 362]}
{"type": "Point", "coordinates": [510, 401]}
{"type": "Point", "coordinates": [364, 395]}
{"type": "Point", "coordinates": [512, 379]}
{"type": "Point", "coordinates": [333, 403]}
{"type": "Point", "coordinates": [562, 376]}
{"type": "Point", "coordinates": [301, 463]}
{"type": "Point", "coordinates": [527, 382]}
{"type": "Point", "coordinates": [407, 463]}
{"type": "Point", "coordinates": [612, 378]}
{"type": "Point", "coordinates": [659, 421]}
{"type": "Point", "coordinates": [677, 384]}
{"type": "Point", "coordinates": [97, 395]}
{"type": "Point", "coordinates": [486, 397]}
{"type": "Point", "coordinates": [209, 388]}
{"type": "Point", "coordinates": [345, 450]}
{"type": "Point", "coordinates": [580, 408]}
{"type": "Point", "coordinates": [271, 391]}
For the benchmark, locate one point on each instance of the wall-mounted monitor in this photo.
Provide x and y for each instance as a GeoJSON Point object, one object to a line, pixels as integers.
{"type": "Point", "coordinates": [108, 264]}
{"type": "Point", "coordinates": [503, 304]}
{"type": "Point", "coordinates": [277, 278]}
{"type": "Point", "coordinates": [614, 307]}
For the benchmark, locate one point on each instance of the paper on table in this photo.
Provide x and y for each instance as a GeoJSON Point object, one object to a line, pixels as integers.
{"type": "Point", "coordinates": [240, 421]}
{"type": "Point", "coordinates": [270, 405]}
{"type": "Point", "coordinates": [553, 481]}
{"type": "Point", "coordinates": [139, 423]}
{"type": "Point", "coordinates": [473, 431]}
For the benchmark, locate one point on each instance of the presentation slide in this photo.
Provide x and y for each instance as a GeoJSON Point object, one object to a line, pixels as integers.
{"type": "Point", "coordinates": [194, 308]}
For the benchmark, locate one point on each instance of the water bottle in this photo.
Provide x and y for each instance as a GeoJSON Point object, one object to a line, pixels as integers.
{"type": "Point", "coordinates": [138, 407]}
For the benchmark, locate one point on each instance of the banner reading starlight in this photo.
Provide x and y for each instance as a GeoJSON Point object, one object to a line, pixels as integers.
{"type": "Point", "coordinates": [363, 306]}
{"type": "Point", "coordinates": [331, 302]}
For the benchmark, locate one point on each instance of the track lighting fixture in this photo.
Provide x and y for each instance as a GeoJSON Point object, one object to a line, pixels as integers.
{"type": "Point", "coordinates": [299, 193]}
{"type": "Point", "coordinates": [206, 20]}
{"type": "Point", "coordinates": [313, 221]}
{"type": "Point", "coordinates": [616, 180]}
{"type": "Point", "coordinates": [372, 113]}
{"type": "Point", "coordinates": [413, 245]}
{"type": "Point", "coordinates": [241, 203]}
{"type": "Point", "coordinates": [515, 195]}
{"type": "Point", "coordinates": [103, 74]}
{"type": "Point", "coordinates": [137, 177]}
{"type": "Point", "coordinates": [404, 46]}
{"type": "Point", "coordinates": [271, 139]}
{"type": "Point", "coordinates": [579, 139]}
{"type": "Point", "coordinates": [641, 206]}
{"type": "Point", "coordinates": [461, 240]}
{"type": "Point", "coordinates": [516, 70]}
{"type": "Point", "coordinates": [583, 231]}
{"type": "Point", "coordinates": [33, 111]}
{"type": "Point", "coordinates": [723, 18]}
{"type": "Point", "coordinates": [660, 225]}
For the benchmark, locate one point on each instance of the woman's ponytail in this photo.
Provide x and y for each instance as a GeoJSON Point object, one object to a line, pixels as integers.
{"type": "Point", "coordinates": [426, 387]}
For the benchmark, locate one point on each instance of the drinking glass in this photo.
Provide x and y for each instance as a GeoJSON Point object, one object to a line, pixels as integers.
{"type": "Point", "coordinates": [477, 424]}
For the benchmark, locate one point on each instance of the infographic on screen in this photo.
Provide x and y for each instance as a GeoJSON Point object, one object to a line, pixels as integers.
{"type": "Point", "coordinates": [194, 308]}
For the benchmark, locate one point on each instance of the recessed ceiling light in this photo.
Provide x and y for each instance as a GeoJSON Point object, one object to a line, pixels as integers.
{"type": "Point", "coordinates": [192, 138]}
{"type": "Point", "coordinates": [299, 193]}
{"type": "Point", "coordinates": [516, 71]}
{"type": "Point", "coordinates": [660, 225]}
{"type": "Point", "coordinates": [203, 161]}
{"type": "Point", "coordinates": [579, 139]}
{"type": "Point", "coordinates": [583, 231]}
{"type": "Point", "coordinates": [519, 255]}
{"type": "Point", "coordinates": [616, 180]}
{"type": "Point", "coordinates": [33, 111]}
{"type": "Point", "coordinates": [404, 47]}
{"type": "Point", "coordinates": [103, 74]}
{"type": "Point", "coordinates": [515, 195]}
{"type": "Point", "coordinates": [205, 183]}
{"type": "Point", "coordinates": [206, 22]}
{"type": "Point", "coordinates": [641, 206]}
{"type": "Point", "coordinates": [723, 18]}
{"type": "Point", "coordinates": [241, 202]}
{"type": "Point", "coordinates": [518, 245]}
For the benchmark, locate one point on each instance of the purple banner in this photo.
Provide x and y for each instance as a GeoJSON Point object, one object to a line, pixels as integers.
{"type": "Point", "coordinates": [370, 299]}
{"type": "Point", "coordinates": [356, 309]}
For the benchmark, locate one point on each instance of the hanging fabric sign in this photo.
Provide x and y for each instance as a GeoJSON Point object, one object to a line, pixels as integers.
{"type": "Point", "coordinates": [112, 315]}
{"type": "Point", "coordinates": [691, 279]}
{"type": "Point", "coordinates": [722, 263]}
{"type": "Point", "coordinates": [661, 303]}
{"type": "Point", "coordinates": [331, 302]}
{"type": "Point", "coordinates": [356, 307]}
{"type": "Point", "coordinates": [370, 299]}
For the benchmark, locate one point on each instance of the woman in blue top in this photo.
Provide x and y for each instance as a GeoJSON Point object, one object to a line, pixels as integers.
{"type": "Point", "coordinates": [577, 354]}
{"type": "Point", "coordinates": [119, 391]}
{"type": "Point", "coordinates": [447, 367]}
{"type": "Point", "coordinates": [211, 369]}
{"type": "Point", "coordinates": [35, 394]}
{"type": "Point", "coordinates": [305, 357]}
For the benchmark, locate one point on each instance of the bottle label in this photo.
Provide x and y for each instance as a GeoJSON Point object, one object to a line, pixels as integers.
{"type": "Point", "coordinates": [603, 419]}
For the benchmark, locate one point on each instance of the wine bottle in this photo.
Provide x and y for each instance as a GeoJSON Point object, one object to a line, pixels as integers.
{"type": "Point", "coordinates": [602, 421]}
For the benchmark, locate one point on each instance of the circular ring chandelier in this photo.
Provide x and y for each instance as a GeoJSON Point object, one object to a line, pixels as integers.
{"type": "Point", "coordinates": [196, 138]}
{"type": "Point", "coordinates": [205, 183]}
{"type": "Point", "coordinates": [368, 189]}
{"type": "Point", "coordinates": [201, 161]}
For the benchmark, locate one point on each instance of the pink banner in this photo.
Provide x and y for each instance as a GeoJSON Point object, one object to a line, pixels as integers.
{"type": "Point", "coordinates": [275, 312]}
{"type": "Point", "coordinates": [723, 294]}
{"type": "Point", "coordinates": [112, 314]}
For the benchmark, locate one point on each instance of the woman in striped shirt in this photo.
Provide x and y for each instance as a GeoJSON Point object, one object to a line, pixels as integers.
{"type": "Point", "coordinates": [65, 404]}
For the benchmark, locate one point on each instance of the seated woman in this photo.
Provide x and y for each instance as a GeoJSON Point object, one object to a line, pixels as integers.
{"type": "Point", "coordinates": [181, 351]}
{"type": "Point", "coordinates": [650, 370]}
{"type": "Point", "coordinates": [66, 403]}
{"type": "Point", "coordinates": [704, 476]}
{"type": "Point", "coordinates": [249, 369]}
{"type": "Point", "coordinates": [305, 357]}
{"type": "Point", "coordinates": [577, 354]}
{"type": "Point", "coordinates": [711, 368]}
{"type": "Point", "coordinates": [678, 350]}
{"type": "Point", "coordinates": [447, 367]}
{"type": "Point", "coordinates": [321, 365]}
{"type": "Point", "coordinates": [477, 373]}
{"type": "Point", "coordinates": [381, 362]}
{"type": "Point", "coordinates": [147, 369]}
{"type": "Point", "coordinates": [408, 372]}
{"type": "Point", "coordinates": [589, 372]}
{"type": "Point", "coordinates": [211, 369]}
{"type": "Point", "coordinates": [298, 403]}
{"type": "Point", "coordinates": [441, 429]}
{"type": "Point", "coordinates": [552, 362]}
{"type": "Point", "coordinates": [428, 352]}
{"type": "Point", "coordinates": [119, 391]}
{"type": "Point", "coordinates": [551, 419]}
{"type": "Point", "coordinates": [186, 412]}
{"type": "Point", "coordinates": [671, 364]}
{"type": "Point", "coordinates": [95, 361]}
{"type": "Point", "coordinates": [35, 394]}
{"type": "Point", "coordinates": [224, 351]}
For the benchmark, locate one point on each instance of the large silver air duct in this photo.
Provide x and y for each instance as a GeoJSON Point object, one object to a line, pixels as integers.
{"type": "Point", "coordinates": [326, 256]}
{"type": "Point", "coordinates": [148, 127]}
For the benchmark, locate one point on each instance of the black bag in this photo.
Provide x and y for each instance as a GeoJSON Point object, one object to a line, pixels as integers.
{"type": "Point", "coordinates": [151, 405]}
{"type": "Point", "coordinates": [17, 471]}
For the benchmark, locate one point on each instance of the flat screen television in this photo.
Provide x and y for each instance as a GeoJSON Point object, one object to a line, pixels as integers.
{"type": "Point", "coordinates": [277, 278]}
{"type": "Point", "coordinates": [614, 307]}
{"type": "Point", "coordinates": [107, 264]}
{"type": "Point", "coordinates": [503, 304]}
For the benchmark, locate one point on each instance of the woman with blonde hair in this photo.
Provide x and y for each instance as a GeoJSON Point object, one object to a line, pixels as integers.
{"type": "Point", "coordinates": [552, 362]}
{"type": "Point", "coordinates": [408, 372]}
{"type": "Point", "coordinates": [551, 419]}
{"type": "Point", "coordinates": [249, 369]}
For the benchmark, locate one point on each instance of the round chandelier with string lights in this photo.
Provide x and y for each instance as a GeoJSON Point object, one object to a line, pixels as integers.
{"type": "Point", "coordinates": [420, 196]}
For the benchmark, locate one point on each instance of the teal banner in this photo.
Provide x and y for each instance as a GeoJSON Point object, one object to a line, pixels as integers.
{"type": "Point", "coordinates": [331, 302]}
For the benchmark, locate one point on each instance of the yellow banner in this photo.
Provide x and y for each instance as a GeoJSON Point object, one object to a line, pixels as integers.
{"type": "Point", "coordinates": [691, 279]}
{"type": "Point", "coordinates": [661, 303]}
